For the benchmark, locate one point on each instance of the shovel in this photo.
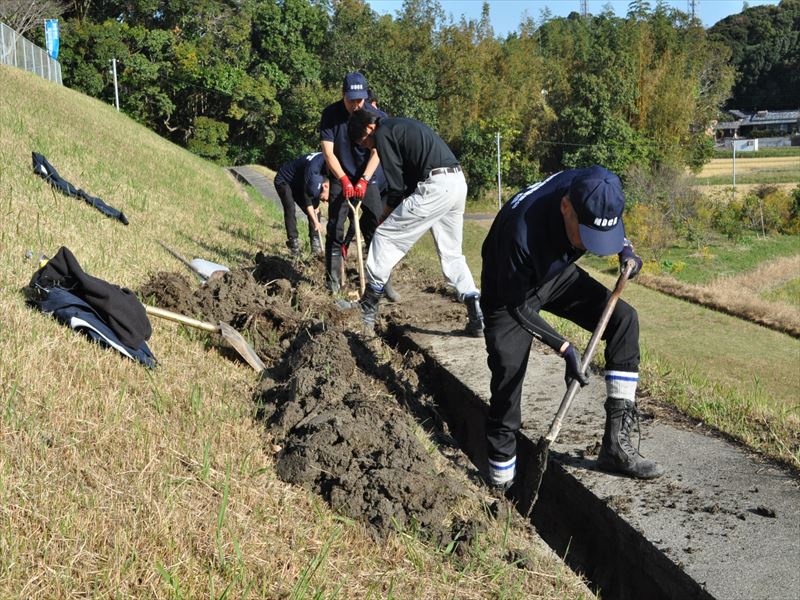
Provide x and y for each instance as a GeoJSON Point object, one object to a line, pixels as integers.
{"type": "Point", "coordinates": [182, 259]}
{"type": "Point", "coordinates": [233, 337]}
{"type": "Point", "coordinates": [542, 452]}
{"type": "Point", "coordinates": [206, 275]}
{"type": "Point", "coordinates": [362, 280]}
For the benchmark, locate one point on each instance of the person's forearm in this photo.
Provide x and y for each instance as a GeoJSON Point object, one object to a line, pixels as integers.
{"type": "Point", "coordinates": [372, 165]}
{"type": "Point", "coordinates": [334, 166]}
{"type": "Point", "coordinates": [534, 324]}
{"type": "Point", "coordinates": [312, 215]}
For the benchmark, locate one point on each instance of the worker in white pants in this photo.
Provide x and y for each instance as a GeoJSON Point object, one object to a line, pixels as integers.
{"type": "Point", "coordinates": [437, 204]}
{"type": "Point", "coordinates": [427, 190]}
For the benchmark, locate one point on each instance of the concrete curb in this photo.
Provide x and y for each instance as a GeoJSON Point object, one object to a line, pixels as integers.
{"type": "Point", "coordinates": [695, 533]}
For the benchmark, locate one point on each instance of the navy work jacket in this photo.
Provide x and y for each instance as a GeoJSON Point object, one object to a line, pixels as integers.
{"type": "Point", "coordinates": [527, 244]}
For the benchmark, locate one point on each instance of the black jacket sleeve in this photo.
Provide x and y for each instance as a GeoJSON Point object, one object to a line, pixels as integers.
{"type": "Point", "coordinates": [533, 323]}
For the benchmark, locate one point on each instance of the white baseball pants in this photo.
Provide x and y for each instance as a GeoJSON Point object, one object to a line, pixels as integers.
{"type": "Point", "coordinates": [437, 204]}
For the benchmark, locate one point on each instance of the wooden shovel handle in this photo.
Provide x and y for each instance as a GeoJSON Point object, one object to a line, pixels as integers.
{"type": "Point", "coordinates": [558, 421]}
{"type": "Point", "coordinates": [178, 318]}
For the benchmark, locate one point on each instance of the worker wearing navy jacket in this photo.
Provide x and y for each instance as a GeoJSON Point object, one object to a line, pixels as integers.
{"type": "Point", "coordinates": [528, 265]}
{"type": "Point", "coordinates": [302, 182]}
{"type": "Point", "coordinates": [355, 174]}
{"type": "Point", "coordinates": [426, 191]}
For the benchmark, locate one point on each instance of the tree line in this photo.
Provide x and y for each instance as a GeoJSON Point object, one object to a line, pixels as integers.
{"type": "Point", "coordinates": [244, 81]}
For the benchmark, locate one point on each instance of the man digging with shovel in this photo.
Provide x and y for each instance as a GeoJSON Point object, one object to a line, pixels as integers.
{"type": "Point", "coordinates": [303, 182]}
{"type": "Point", "coordinates": [528, 265]}
{"type": "Point", "coordinates": [427, 191]}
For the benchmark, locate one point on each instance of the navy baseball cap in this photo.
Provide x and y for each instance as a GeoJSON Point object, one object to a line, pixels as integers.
{"type": "Point", "coordinates": [596, 195]}
{"type": "Point", "coordinates": [314, 186]}
{"type": "Point", "coordinates": [355, 86]}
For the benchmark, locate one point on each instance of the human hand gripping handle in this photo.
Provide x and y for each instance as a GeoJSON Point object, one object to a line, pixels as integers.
{"type": "Point", "coordinates": [360, 189]}
{"type": "Point", "coordinates": [348, 191]}
{"type": "Point", "coordinates": [572, 358]}
{"type": "Point", "coordinates": [628, 254]}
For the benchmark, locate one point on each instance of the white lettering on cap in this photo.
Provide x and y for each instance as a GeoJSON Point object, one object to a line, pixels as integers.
{"type": "Point", "coordinates": [606, 222]}
{"type": "Point", "coordinates": [356, 86]}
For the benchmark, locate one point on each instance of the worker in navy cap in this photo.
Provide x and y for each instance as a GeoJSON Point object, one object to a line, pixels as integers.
{"type": "Point", "coordinates": [355, 175]}
{"type": "Point", "coordinates": [529, 260]}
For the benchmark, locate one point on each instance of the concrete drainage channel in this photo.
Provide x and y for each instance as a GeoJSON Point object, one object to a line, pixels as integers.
{"type": "Point", "coordinates": [720, 524]}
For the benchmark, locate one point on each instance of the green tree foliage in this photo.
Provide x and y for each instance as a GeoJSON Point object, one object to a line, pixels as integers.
{"type": "Point", "coordinates": [246, 80]}
{"type": "Point", "coordinates": [765, 45]}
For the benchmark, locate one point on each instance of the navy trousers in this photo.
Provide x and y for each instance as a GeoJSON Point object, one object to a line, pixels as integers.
{"type": "Point", "coordinates": [572, 295]}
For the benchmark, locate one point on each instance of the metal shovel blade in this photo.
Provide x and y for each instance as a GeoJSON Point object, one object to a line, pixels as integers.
{"type": "Point", "coordinates": [238, 343]}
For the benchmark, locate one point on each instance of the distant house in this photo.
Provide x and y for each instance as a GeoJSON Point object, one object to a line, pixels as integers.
{"type": "Point", "coordinates": [761, 123]}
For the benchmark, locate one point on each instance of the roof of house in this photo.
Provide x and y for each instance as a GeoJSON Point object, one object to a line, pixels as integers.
{"type": "Point", "coordinates": [762, 117]}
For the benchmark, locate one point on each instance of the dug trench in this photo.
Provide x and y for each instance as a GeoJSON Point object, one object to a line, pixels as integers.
{"type": "Point", "coordinates": [389, 432]}
{"type": "Point", "coordinates": [346, 415]}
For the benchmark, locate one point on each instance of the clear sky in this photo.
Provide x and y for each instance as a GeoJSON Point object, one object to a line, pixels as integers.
{"type": "Point", "coordinates": [507, 14]}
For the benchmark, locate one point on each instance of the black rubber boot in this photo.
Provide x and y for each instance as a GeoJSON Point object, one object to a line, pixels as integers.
{"type": "Point", "coordinates": [617, 453]}
{"type": "Point", "coordinates": [389, 291]}
{"type": "Point", "coordinates": [367, 304]}
{"type": "Point", "coordinates": [316, 245]}
{"type": "Point", "coordinates": [294, 247]}
{"type": "Point", "coordinates": [333, 267]}
{"type": "Point", "coordinates": [475, 315]}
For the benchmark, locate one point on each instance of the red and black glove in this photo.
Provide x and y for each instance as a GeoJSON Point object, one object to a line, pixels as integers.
{"type": "Point", "coordinates": [348, 191]}
{"type": "Point", "coordinates": [361, 188]}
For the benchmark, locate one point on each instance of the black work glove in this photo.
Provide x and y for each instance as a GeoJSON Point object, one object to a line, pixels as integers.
{"type": "Point", "coordinates": [629, 254]}
{"type": "Point", "coordinates": [572, 358]}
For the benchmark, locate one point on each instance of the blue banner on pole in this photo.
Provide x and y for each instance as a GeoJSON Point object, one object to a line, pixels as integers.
{"type": "Point", "coordinates": [51, 37]}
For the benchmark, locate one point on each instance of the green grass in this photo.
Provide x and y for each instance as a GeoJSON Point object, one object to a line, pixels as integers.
{"type": "Point", "coordinates": [762, 153]}
{"type": "Point", "coordinates": [789, 292]}
{"type": "Point", "coordinates": [765, 176]}
{"type": "Point", "coordinates": [720, 258]}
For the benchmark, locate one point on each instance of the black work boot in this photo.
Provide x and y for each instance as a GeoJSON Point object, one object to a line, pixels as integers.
{"type": "Point", "coordinates": [617, 453]}
{"type": "Point", "coordinates": [389, 291]}
{"type": "Point", "coordinates": [316, 245]}
{"type": "Point", "coordinates": [293, 244]}
{"type": "Point", "coordinates": [367, 304]}
{"type": "Point", "coordinates": [475, 315]}
{"type": "Point", "coordinates": [333, 267]}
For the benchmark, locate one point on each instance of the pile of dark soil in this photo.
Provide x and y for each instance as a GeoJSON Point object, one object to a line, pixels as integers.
{"type": "Point", "coordinates": [335, 413]}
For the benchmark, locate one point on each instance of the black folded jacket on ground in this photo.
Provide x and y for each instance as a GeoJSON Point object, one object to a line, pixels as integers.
{"type": "Point", "coordinates": [46, 171]}
{"type": "Point", "coordinates": [116, 306]}
{"type": "Point", "coordinates": [77, 314]}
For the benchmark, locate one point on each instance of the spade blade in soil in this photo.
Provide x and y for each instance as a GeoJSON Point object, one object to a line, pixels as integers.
{"type": "Point", "coordinates": [235, 339]}
{"type": "Point", "coordinates": [540, 457]}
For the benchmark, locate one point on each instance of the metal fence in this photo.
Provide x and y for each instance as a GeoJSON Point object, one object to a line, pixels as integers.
{"type": "Point", "coordinates": [17, 51]}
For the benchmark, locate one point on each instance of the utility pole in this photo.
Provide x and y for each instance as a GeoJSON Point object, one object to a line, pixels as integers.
{"type": "Point", "coordinates": [116, 87]}
{"type": "Point", "coordinates": [584, 8]}
{"type": "Point", "coordinates": [694, 8]}
{"type": "Point", "coordinates": [499, 186]}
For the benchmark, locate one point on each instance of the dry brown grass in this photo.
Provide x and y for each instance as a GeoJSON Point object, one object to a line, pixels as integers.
{"type": "Point", "coordinates": [724, 166]}
{"type": "Point", "coordinates": [116, 481]}
{"type": "Point", "coordinates": [741, 295]}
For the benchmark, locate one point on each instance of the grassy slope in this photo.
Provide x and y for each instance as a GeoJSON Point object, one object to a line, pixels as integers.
{"type": "Point", "coordinates": [118, 481]}
{"type": "Point", "coordinates": [739, 377]}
